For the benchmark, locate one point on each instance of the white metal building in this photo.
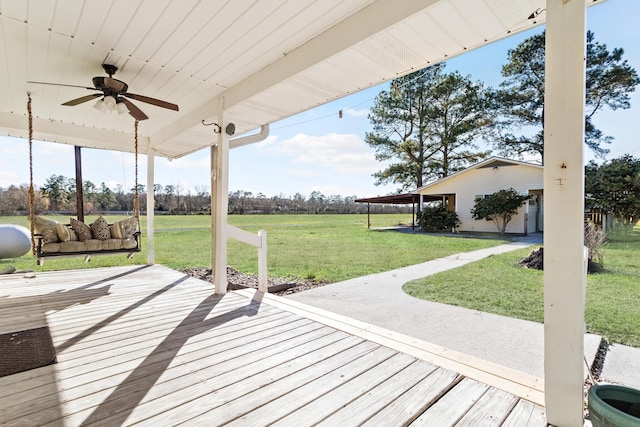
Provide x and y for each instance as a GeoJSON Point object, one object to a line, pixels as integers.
{"type": "Point", "coordinates": [459, 192]}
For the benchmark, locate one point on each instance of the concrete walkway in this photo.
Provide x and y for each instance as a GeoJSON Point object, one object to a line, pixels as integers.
{"type": "Point", "coordinates": [378, 299]}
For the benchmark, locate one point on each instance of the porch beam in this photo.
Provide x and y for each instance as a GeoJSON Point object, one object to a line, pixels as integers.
{"type": "Point", "coordinates": [151, 207]}
{"type": "Point", "coordinates": [564, 267]}
{"type": "Point", "coordinates": [79, 186]}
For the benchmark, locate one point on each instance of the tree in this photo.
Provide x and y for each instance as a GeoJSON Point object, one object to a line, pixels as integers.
{"type": "Point", "coordinates": [614, 187]}
{"type": "Point", "coordinates": [428, 124]}
{"type": "Point", "coordinates": [499, 207]}
{"type": "Point", "coordinates": [609, 81]}
{"type": "Point", "coordinates": [105, 198]}
{"type": "Point", "coordinates": [56, 188]}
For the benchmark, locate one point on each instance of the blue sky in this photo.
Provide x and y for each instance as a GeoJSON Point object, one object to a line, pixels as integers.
{"type": "Point", "coordinates": [317, 150]}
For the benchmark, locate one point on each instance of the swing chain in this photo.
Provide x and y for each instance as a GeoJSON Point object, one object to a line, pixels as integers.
{"type": "Point", "coordinates": [136, 200]}
{"type": "Point", "coordinates": [32, 196]}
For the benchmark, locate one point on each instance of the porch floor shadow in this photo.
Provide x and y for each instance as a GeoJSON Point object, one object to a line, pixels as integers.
{"type": "Point", "coordinates": [148, 345]}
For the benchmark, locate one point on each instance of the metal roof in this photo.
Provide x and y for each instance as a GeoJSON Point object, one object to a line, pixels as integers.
{"type": "Point", "coordinates": [263, 59]}
{"type": "Point", "coordinates": [398, 199]}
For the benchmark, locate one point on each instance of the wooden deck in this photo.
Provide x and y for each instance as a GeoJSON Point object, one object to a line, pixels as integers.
{"type": "Point", "coordinates": [151, 346]}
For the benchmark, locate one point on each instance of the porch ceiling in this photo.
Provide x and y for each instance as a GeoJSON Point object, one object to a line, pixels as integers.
{"type": "Point", "coordinates": [268, 59]}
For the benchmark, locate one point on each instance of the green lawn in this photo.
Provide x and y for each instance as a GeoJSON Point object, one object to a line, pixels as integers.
{"type": "Point", "coordinates": [498, 285]}
{"type": "Point", "coordinates": [326, 247]}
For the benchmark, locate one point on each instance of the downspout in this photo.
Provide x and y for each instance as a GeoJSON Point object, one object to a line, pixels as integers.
{"type": "Point", "coordinates": [250, 139]}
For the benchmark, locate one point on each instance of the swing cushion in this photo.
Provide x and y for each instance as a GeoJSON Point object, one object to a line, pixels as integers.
{"type": "Point", "coordinates": [46, 227]}
{"type": "Point", "coordinates": [100, 229]}
{"type": "Point", "coordinates": [91, 245]}
{"type": "Point", "coordinates": [82, 230]}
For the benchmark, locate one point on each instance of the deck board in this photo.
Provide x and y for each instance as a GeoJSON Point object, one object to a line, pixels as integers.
{"type": "Point", "coordinates": [147, 345]}
{"type": "Point", "coordinates": [490, 410]}
{"type": "Point", "coordinates": [526, 414]}
{"type": "Point", "coordinates": [451, 407]}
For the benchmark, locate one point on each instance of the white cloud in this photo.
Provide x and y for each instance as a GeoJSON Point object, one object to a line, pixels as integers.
{"type": "Point", "coordinates": [268, 143]}
{"type": "Point", "coordinates": [346, 153]}
{"type": "Point", "coordinates": [8, 179]}
{"type": "Point", "coordinates": [356, 113]}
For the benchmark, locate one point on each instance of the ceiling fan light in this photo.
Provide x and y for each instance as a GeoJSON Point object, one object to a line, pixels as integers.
{"type": "Point", "coordinates": [99, 105]}
{"type": "Point", "coordinates": [110, 102]}
{"type": "Point", "coordinates": [121, 108]}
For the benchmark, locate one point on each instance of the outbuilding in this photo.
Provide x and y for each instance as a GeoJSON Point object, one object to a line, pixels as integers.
{"type": "Point", "coordinates": [459, 192]}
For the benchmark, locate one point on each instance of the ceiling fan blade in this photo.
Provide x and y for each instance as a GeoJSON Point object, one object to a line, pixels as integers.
{"type": "Point", "coordinates": [134, 111]}
{"type": "Point", "coordinates": [152, 101]}
{"type": "Point", "coordinates": [82, 99]}
{"type": "Point", "coordinates": [60, 84]}
{"type": "Point", "coordinates": [115, 84]}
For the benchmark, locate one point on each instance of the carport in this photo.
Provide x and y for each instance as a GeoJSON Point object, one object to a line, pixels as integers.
{"type": "Point", "coordinates": [397, 199]}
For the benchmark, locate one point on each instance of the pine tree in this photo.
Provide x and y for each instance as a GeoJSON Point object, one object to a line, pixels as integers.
{"type": "Point", "coordinates": [428, 124]}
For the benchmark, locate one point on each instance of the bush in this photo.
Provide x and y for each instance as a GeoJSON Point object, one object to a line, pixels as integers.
{"type": "Point", "coordinates": [437, 218]}
{"type": "Point", "coordinates": [594, 240]}
{"type": "Point", "coordinates": [499, 207]}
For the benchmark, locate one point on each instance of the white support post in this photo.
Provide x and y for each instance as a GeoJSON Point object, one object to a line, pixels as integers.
{"type": "Point", "coordinates": [214, 208]}
{"type": "Point", "coordinates": [221, 180]}
{"type": "Point", "coordinates": [263, 286]}
{"type": "Point", "coordinates": [564, 271]}
{"type": "Point", "coordinates": [151, 249]}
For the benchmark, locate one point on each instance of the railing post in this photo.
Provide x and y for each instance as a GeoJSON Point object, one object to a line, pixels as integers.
{"type": "Point", "coordinates": [262, 262]}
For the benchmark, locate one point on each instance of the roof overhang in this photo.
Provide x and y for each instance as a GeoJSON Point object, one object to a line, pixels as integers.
{"type": "Point", "coordinates": [263, 61]}
{"type": "Point", "coordinates": [398, 199]}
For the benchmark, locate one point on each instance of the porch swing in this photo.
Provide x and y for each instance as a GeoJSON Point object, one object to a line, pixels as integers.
{"type": "Point", "coordinates": [50, 238]}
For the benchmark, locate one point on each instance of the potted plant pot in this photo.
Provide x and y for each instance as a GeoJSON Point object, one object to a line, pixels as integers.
{"type": "Point", "coordinates": [614, 406]}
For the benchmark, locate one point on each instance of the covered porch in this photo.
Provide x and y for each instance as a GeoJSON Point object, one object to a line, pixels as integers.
{"type": "Point", "coordinates": [149, 345]}
{"type": "Point", "coordinates": [251, 66]}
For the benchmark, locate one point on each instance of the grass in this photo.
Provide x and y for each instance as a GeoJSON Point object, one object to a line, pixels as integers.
{"type": "Point", "coordinates": [325, 247]}
{"type": "Point", "coordinates": [498, 285]}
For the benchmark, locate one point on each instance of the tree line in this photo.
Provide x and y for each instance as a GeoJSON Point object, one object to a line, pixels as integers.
{"type": "Point", "coordinates": [58, 194]}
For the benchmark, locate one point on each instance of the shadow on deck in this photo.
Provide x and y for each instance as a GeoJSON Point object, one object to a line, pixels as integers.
{"type": "Point", "coordinates": [152, 345]}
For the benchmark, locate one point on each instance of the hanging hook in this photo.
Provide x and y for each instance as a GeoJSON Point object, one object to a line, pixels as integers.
{"type": "Point", "coordinates": [217, 128]}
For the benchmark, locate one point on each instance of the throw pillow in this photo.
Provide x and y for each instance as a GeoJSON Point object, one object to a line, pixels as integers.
{"type": "Point", "coordinates": [100, 229]}
{"type": "Point", "coordinates": [82, 230]}
{"type": "Point", "coordinates": [46, 227]}
{"type": "Point", "coordinates": [65, 234]}
{"type": "Point", "coordinates": [128, 227]}
{"type": "Point", "coordinates": [116, 231]}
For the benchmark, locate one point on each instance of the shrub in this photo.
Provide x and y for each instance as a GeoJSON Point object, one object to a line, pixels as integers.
{"type": "Point", "coordinates": [437, 218]}
{"type": "Point", "coordinates": [499, 207]}
{"type": "Point", "coordinates": [594, 240]}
